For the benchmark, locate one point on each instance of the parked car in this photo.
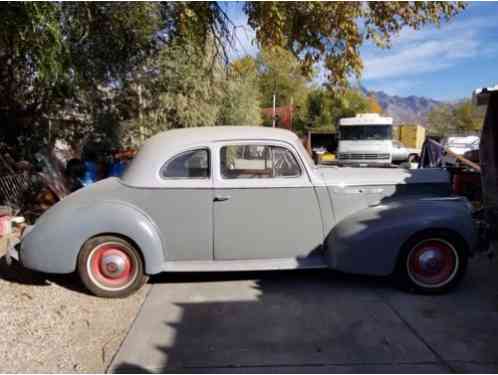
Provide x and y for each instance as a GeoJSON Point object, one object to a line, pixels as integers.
{"type": "Point", "coordinates": [399, 152]}
{"type": "Point", "coordinates": [460, 146]}
{"type": "Point", "coordinates": [251, 198]}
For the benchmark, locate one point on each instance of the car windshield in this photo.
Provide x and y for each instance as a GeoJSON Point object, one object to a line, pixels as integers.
{"type": "Point", "coordinates": [366, 132]}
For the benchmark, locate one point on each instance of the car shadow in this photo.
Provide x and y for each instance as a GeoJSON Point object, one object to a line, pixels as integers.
{"type": "Point", "coordinates": [309, 274]}
{"type": "Point", "coordinates": [17, 274]}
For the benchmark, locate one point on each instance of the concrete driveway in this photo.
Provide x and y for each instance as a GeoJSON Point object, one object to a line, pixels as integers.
{"type": "Point", "coordinates": [312, 321]}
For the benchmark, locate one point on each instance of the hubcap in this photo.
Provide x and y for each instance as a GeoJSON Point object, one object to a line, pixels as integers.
{"type": "Point", "coordinates": [432, 263]}
{"type": "Point", "coordinates": [111, 266]}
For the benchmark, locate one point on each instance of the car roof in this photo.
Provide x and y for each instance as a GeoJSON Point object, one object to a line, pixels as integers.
{"type": "Point", "coordinates": [177, 138]}
{"type": "Point", "coordinates": [161, 147]}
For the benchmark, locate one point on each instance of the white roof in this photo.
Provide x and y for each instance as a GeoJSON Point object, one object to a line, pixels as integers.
{"type": "Point", "coordinates": [161, 147]}
{"type": "Point", "coordinates": [179, 138]}
{"type": "Point", "coordinates": [366, 119]}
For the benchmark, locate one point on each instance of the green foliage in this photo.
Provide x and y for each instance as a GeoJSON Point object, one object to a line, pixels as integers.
{"type": "Point", "coordinates": [85, 68]}
{"type": "Point", "coordinates": [463, 118]}
{"type": "Point", "coordinates": [325, 107]}
{"type": "Point", "coordinates": [280, 73]}
{"type": "Point", "coordinates": [241, 102]}
{"type": "Point", "coordinates": [55, 59]}
{"type": "Point", "coordinates": [178, 88]}
{"type": "Point", "coordinates": [334, 31]}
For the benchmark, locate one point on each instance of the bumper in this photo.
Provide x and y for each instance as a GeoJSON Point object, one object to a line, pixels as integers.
{"type": "Point", "coordinates": [13, 251]}
{"type": "Point", "coordinates": [14, 245]}
{"type": "Point", "coordinates": [12, 254]}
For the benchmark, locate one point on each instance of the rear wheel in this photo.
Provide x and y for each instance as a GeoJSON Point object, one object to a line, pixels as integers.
{"type": "Point", "coordinates": [110, 266]}
{"type": "Point", "coordinates": [432, 262]}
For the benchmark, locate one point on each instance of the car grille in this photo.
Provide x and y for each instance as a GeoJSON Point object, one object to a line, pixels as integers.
{"type": "Point", "coordinates": [351, 156]}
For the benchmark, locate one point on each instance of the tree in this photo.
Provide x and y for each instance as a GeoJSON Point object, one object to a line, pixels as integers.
{"type": "Point", "coordinates": [72, 60]}
{"type": "Point", "coordinates": [459, 119]}
{"type": "Point", "coordinates": [374, 106]}
{"type": "Point", "coordinates": [280, 74]}
{"type": "Point", "coordinates": [325, 107]}
{"type": "Point", "coordinates": [334, 31]}
{"type": "Point", "coordinates": [241, 101]}
{"type": "Point", "coordinates": [55, 59]}
{"type": "Point", "coordinates": [178, 88]}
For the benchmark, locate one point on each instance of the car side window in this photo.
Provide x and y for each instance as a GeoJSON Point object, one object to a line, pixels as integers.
{"type": "Point", "coordinates": [257, 161]}
{"type": "Point", "coordinates": [190, 164]}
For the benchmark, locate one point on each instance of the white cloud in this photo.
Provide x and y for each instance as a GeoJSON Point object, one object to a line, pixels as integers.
{"type": "Point", "coordinates": [395, 87]}
{"type": "Point", "coordinates": [428, 50]}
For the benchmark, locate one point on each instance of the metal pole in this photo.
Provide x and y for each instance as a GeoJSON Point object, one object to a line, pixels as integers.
{"type": "Point", "coordinates": [274, 110]}
{"type": "Point", "coordinates": [274, 117]}
{"type": "Point", "coordinates": [140, 119]}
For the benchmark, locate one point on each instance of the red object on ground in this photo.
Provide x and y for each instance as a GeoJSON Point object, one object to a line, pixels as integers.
{"type": "Point", "coordinates": [4, 224]}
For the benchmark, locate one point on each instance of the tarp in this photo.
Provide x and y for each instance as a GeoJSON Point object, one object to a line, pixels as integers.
{"type": "Point", "coordinates": [431, 155]}
{"type": "Point", "coordinates": [488, 155]}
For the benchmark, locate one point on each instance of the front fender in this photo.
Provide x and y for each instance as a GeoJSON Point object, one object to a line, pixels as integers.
{"type": "Point", "coordinates": [54, 242]}
{"type": "Point", "coordinates": [369, 241]}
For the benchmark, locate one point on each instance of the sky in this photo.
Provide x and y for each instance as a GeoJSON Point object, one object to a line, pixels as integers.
{"type": "Point", "coordinates": [445, 63]}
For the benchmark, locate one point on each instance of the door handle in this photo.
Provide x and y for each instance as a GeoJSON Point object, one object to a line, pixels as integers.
{"type": "Point", "coordinates": [221, 198]}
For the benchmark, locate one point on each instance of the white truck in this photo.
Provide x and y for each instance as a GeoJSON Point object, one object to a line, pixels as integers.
{"type": "Point", "coordinates": [365, 139]}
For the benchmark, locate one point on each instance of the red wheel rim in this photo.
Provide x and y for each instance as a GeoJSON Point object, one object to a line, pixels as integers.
{"type": "Point", "coordinates": [111, 266]}
{"type": "Point", "coordinates": [432, 263]}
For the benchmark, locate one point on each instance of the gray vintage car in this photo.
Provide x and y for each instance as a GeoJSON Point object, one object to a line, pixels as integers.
{"type": "Point", "coordinates": [251, 198]}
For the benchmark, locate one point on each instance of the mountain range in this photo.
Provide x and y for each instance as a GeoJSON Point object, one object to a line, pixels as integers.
{"type": "Point", "coordinates": [409, 109]}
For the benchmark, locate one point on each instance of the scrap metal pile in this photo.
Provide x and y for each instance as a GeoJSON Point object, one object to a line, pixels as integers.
{"type": "Point", "coordinates": [29, 188]}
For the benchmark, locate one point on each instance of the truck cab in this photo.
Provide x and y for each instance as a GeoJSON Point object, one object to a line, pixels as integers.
{"type": "Point", "coordinates": [365, 139]}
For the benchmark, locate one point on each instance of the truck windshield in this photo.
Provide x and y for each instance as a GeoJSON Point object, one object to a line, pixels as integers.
{"type": "Point", "coordinates": [366, 132]}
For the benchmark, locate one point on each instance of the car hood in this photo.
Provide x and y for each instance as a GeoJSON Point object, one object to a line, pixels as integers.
{"type": "Point", "coordinates": [381, 176]}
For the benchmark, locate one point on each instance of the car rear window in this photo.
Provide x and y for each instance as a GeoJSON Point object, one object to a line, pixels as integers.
{"type": "Point", "coordinates": [189, 164]}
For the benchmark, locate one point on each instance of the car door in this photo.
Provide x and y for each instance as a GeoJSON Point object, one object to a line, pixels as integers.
{"type": "Point", "coordinates": [264, 203]}
{"type": "Point", "coordinates": [182, 207]}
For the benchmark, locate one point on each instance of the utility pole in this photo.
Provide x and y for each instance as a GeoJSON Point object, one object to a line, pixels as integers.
{"type": "Point", "coordinates": [274, 117]}
{"type": "Point", "coordinates": [140, 118]}
{"type": "Point", "coordinates": [291, 112]}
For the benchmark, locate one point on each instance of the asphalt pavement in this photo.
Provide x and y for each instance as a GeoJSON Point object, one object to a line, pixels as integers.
{"type": "Point", "coordinates": [314, 321]}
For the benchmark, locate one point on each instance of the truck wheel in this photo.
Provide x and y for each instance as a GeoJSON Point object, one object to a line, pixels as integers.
{"type": "Point", "coordinates": [111, 267]}
{"type": "Point", "coordinates": [432, 262]}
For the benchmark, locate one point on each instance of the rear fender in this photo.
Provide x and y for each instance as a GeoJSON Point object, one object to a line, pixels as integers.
{"type": "Point", "coordinates": [54, 242]}
{"type": "Point", "coordinates": [369, 241]}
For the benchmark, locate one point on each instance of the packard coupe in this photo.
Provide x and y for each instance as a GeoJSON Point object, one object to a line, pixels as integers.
{"type": "Point", "coordinates": [251, 198]}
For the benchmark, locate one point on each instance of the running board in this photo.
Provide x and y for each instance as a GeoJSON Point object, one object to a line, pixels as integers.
{"type": "Point", "coordinates": [245, 265]}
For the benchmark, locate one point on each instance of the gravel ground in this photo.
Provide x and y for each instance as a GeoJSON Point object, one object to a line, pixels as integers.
{"type": "Point", "coordinates": [50, 324]}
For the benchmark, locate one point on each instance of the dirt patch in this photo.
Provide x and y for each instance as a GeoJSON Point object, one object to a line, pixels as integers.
{"type": "Point", "coordinates": [51, 324]}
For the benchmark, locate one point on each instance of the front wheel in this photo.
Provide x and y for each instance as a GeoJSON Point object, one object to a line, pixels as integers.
{"type": "Point", "coordinates": [111, 267]}
{"type": "Point", "coordinates": [432, 263]}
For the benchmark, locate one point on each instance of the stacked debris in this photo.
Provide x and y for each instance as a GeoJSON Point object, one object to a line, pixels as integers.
{"type": "Point", "coordinates": [30, 187]}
